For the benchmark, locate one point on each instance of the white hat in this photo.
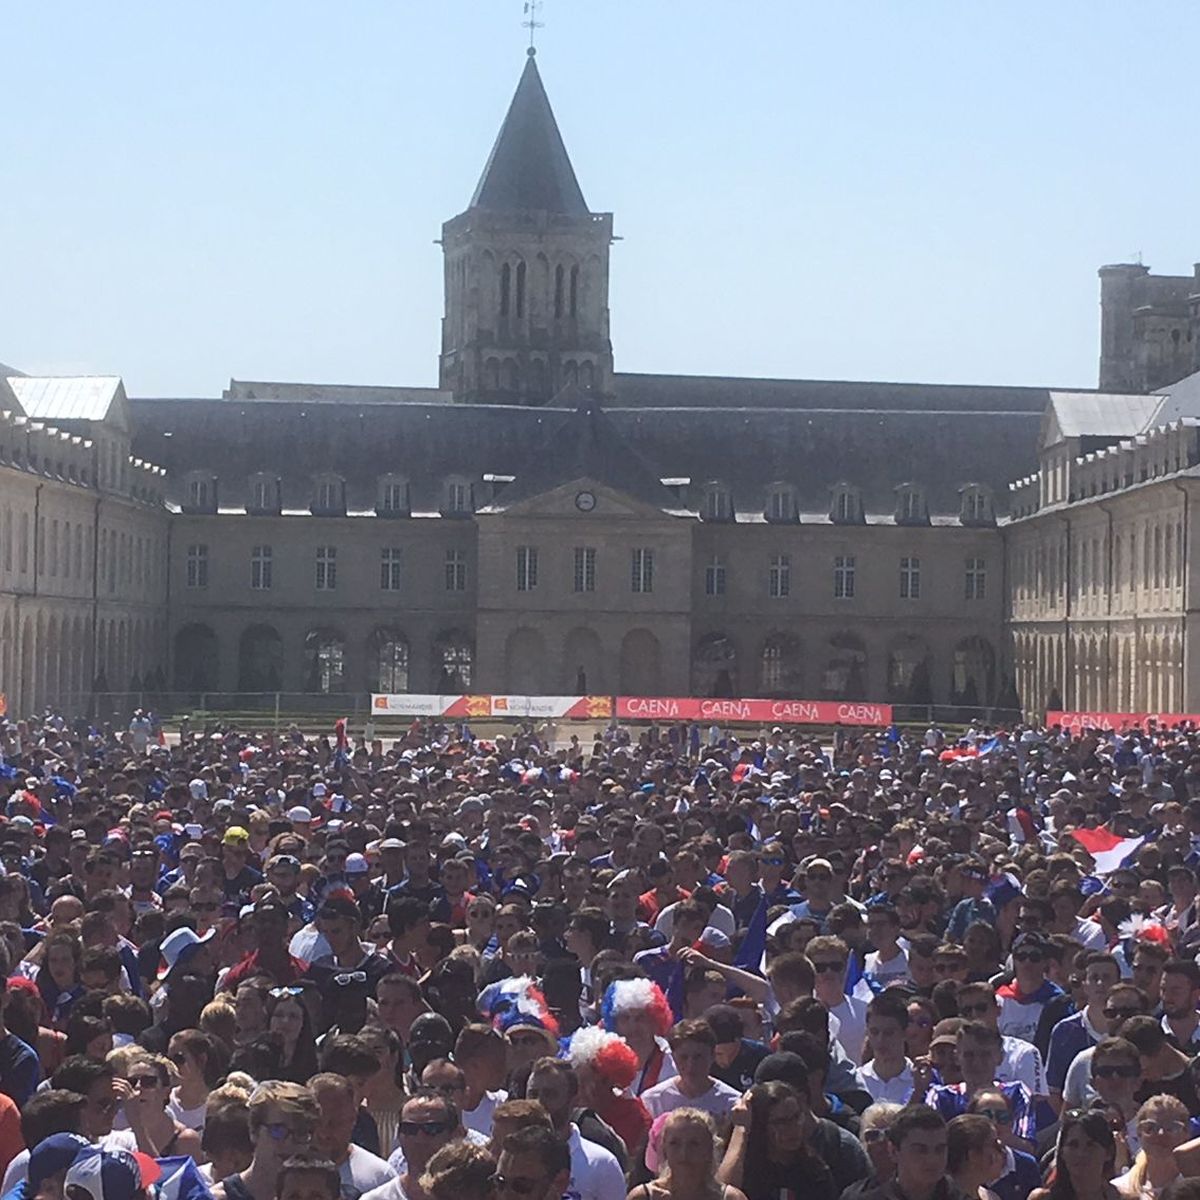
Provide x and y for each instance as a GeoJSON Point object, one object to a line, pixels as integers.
{"type": "Point", "coordinates": [199, 789]}
{"type": "Point", "coordinates": [178, 943]}
{"type": "Point", "coordinates": [318, 789]}
{"type": "Point", "coordinates": [299, 815]}
{"type": "Point", "coordinates": [356, 864]}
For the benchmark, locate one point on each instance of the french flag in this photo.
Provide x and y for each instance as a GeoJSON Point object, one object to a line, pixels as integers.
{"type": "Point", "coordinates": [1107, 850]}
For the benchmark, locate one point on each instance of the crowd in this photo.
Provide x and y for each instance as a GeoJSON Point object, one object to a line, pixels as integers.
{"type": "Point", "coordinates": [669, 963]}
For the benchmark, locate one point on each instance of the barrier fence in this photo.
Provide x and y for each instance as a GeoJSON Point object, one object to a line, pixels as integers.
{"type": "Point", "coordinates": [1118, 722]}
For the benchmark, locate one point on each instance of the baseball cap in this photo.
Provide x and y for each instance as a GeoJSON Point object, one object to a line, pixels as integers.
{"type": "Point", "coordinates": [356, 864]}
{"type": "Point", "coordinates": [339, 906]}
{"type": "Point", "coordinates": [299, 815]}
{"type": "Point", "coordinates": [53, 1154]}
{"type": "Point", "coordinates": [391, 844]}
{"type": "Point", "coordinates": [235, 835]}
{"type": "Point", "coordinates": [111, 1174]}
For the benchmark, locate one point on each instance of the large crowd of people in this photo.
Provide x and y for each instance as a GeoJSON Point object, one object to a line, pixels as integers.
{"type": "Point", "coordinates": [662, 963]}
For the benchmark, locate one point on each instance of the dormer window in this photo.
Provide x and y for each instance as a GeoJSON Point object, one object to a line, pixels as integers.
{"type": "Point", "coordinates": [459, 500]}
{"type": "Point", "coordinates": [781, 503]}
{"type": "Point", "coordinates": [392, 500]}
{"type": "Point", "coordinates": [910, 505]}
{"type": "Point", "coordinates": [976, 505]}
{"type": "Point", "coordinates": [329, 496]}
{"type": "Point", "coordinates": [200, 492]}
{"type": "Point", "coordinates": [263, 494]}
{"type": "Point", "coordinates": [846, 506]}
{"type": "Point", "coordinates": [716, 503]}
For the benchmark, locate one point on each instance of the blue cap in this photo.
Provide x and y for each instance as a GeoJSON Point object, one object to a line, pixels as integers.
{"type": "Point", "coordinates": [53, 1154]}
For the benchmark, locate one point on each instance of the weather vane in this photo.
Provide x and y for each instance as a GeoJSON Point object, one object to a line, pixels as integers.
{"type": "Point", "coordinates": [531, 22]}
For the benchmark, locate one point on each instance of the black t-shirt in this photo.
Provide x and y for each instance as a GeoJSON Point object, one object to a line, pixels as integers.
{"type": "Point", "coordinates": [740, 1073]}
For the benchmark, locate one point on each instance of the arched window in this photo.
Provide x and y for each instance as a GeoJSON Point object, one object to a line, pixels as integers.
{"type": "Point", "coordinates": [558, 290]}
{"type": "Point", "coordinates": [512, 377]}
{"type": "Point", "coordinates": [453, 658]}
{"type": "Point", "coordinates": [325, 655]}
{"type": "Point", "coordinates": [520, 289]}
{"type": "Point", "coordinates": [537, 377]}
{"type": "Point", "coordinates": [392, 500]}
{"type": "Point", "coordinates": [910, 505]}
{"type": "Point", "coordinates": [263, 494]}
{"type": "Point", "coordinates": [200, 492]}
{"type": "Point", "coordinates": [571, 372]}
{"type": "Point", "coordinates": [388, 659]}
{"type": "Point", "coordinates": [717, 503]}
{"type": "Point", "coordinates": [846, 508]}
{"type": "Point", "coordinates": [505, 288]}
{"type": "Point", "coordinates": [781, 503]}
{"type": "Point", "coordinates": [491, 375]}
{"type": "Point", "coordinates": [574, 291]}
{"type": "Point", "coordinates": [587, 375]}
{"type": "Point", "coordinates": [329, 496]}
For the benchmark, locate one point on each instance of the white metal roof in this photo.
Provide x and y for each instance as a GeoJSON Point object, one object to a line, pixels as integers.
{"type": "Point", "coordinates": [65, 398]}
{"type": "Point", "coordinates": [1101, 414]}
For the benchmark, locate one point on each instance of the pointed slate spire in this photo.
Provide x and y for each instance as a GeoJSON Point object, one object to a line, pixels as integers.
{"type": "Point", "coordinates": [529, 167]}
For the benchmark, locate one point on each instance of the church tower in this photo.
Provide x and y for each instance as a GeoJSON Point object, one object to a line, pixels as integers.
{"type": "Point", "coordinates": [526, 270]}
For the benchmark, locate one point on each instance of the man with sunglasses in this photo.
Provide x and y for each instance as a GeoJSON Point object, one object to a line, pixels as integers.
{"type": "Point", "coordinates": [1022, 1001]}
{"type": "Point", "coordinates": [1022, 1061]}
{"type": "Point", "coordinates": [429, 1120]}
{"type": "Point", "coordinates": [282, 1119]}
{"type": "Point", "coordinates": [1124, 1002]}
{"type": "Point", "coordinates": [534, 1165]}
{"type": "Point", "coordinates": [830, 957]}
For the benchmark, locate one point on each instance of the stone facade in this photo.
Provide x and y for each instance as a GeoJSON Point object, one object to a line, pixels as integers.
{"type": "Point", "coordinates": [541, 523]}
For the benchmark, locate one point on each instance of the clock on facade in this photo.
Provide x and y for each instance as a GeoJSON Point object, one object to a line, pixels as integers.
{"type": "Point", "coordinates": [585, 501]}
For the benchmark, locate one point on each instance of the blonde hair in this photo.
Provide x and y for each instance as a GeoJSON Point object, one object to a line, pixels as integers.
{"type": "Point", "coordinates": [219, 1018]}
{"type": "Point", "coordinates": [686, 1116]}
{"type": "Point", "coordinates": [1158, 1105]}
{"type": "Point", "coordinates": [291, 1099]}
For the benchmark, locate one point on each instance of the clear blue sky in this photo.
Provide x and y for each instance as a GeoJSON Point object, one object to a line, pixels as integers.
{"type": "Point", "coordinates": [916, 190]}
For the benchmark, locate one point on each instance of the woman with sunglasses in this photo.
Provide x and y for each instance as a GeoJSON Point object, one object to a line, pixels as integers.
{"type": "Point", "coordinates": [288, 1016]}
{"type": "Point", "coordinates": [147, 1090]}
{"type": "Point", "coordinates": [199, 1063]}
{"type": "Point", "coordinates": [1162, 1127]}
{"type": "Point", "coordinates": [1083, 1159]}
{"type": "Point", "coordinates": [282, 1119]}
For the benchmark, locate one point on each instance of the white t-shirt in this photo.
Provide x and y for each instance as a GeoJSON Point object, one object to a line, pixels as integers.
{"type": "Point", "coordinates": [595, 1173]}
{"type": "Point", "coordinates": [722, 919]}
{"type": "Point", "coordinates": [885, 972]}
{"type": "Point", "coordinates": [480, 1117]}
{"type": "Point", "coordinates": [851, 1016]}
{"type": "Point", "coordinates": [193, 1118]}
{"type": "Point", "coordinates": [391, 1190]}
{"type": "Point", "coordinates": [399, 1163]}
{"type": "Point", "coordinates": [665, 1097]}
{"type": "Point", "coordinates": [363, 1172]}
{"type": "Point", "coordinates": [1023, 1064]}
{"type": "Point", "coordinates": [897, 1090]}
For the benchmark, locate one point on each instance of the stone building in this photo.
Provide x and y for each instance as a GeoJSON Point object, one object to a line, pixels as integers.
{"type": "Point", "coordinates": [543, 523]}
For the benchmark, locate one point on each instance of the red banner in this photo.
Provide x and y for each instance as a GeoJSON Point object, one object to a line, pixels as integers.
{"type": "Point", "coordinates": [757, 712]}
{"type": "Point", "coordinates": [1117, 722]}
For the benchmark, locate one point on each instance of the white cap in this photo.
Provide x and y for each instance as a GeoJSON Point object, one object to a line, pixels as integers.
{"type": "Point", "coordinates": [299, 815]}
{"type": "Point", "coordinates": [356, 864]}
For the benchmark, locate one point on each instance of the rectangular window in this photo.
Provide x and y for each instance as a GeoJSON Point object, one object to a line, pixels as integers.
{"type": "Point", "coordinates": [843, 577]}
{"type": "Point", "coordinates": [976, 579]}
{"type": "Point", "coordinates": [585, 568]}
{"type": "Point", "coordinates": [326, 568]}
{"type": "Point", "coordinates": [456, 571]}
{"type": "Point", "coordinates": [390, 569]}
{"type": "Point", "coordinates": [260, 568]}
{"type": "Point", "coordinates": [642, 573]}
{"type": "Point", "coordinates": [198, 493]}
{"type": "Point", "coordinates": [527, 567]}
{"type": "Point", "coordinates": [910, 579]}
{"type": "Point", "coordinates": [197, 566]}
{"type": "Point", "coordinates": [779, 577]}
{"type": "Point", "coordinates": [395, 497]}
{"type": "Point", "coordinates": [714, 577]}
{"type": "Point", "coordinates": [458, 497]}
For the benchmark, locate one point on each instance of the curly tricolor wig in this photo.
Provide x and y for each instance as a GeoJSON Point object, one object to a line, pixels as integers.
{"type": "Point", "coordinates": [610, 1056]}
{"type": "Point", "coordinates": [519, 1002]}
{"type": "Point", "coordinates": [636, 995]}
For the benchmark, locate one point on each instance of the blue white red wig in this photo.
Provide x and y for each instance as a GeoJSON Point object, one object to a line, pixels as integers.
{"type": "Point", "coordinates": [636, 995]}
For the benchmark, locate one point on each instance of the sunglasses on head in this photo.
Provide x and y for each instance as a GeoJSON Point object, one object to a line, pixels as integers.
{"type": "Point", "coordinates": [346, 978]}
{"type": "Point", "coordinates": [278, 993]}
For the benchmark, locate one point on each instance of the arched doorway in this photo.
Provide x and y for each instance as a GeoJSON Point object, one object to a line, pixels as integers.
{"type": "Point", "coordinates": [640, 670]}
{"type": "Point", "coordinates": [387, 659]}
{"type": "Point", "coordinates": [525, 663]}
{"type": "Point", "coordinates": [324, 661]}
{"type": "Point", "coordinates": [714, 666]}
{"type": "Point", "coordinates": [973, 672]}
{"type": "Point", "coordinates": [260, 659]}
{"type": "Point", "coordinates": [779, 666]}
{"type": "Point", "coordinates": [453, 659]}
{"type": "Point", "coordinates": [908, 673]}
{"type": "Point", "coordinates": [844, 675]}
{"type": "Point", "coordinates": [195, 659]}
{"type": "Point", "coordinates": [584, 665]}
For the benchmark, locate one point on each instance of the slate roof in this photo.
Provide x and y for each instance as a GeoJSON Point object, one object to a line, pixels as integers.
{"type": "Point", "coordinates": [714, 391]}
{"type": "Point", "coordinates": [586, 443]}
{"type": "Point", "coordinates": [629, 449]}
{"type": "Point", "coordinates": [70, 398]}
{"type": "Point", "coordinates": [1101, 414]}
{"type": "Point", "coordinates": [337, 393]}
{"type": "Point", "coordinates": [528, 168]}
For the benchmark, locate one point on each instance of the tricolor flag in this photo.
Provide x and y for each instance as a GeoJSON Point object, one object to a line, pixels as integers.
{"type": "Point", "coordinates": [1107, 850]}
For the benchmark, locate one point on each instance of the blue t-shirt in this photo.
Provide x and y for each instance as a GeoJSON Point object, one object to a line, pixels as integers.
{"type": "Point", "coordinates": [20, 1072]}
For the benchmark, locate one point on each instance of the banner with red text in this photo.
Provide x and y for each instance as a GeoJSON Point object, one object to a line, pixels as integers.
{"type": "Point", "coordinates": [408, 704]}
{"type": "Point", "coordinates": [1116, 722]}
{"type": "Point", "coordinates": [759, 712]}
